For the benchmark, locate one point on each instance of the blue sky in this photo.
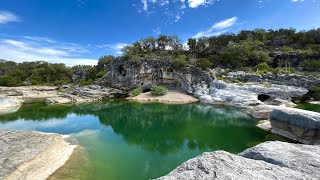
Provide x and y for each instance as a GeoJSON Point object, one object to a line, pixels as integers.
{"type": "Point", "coordinates": [80, 31]}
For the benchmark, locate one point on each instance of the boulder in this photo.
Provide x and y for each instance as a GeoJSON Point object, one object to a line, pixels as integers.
{"type": "Point", "coordinates": [298, 157]}
{"type": "Point", "coordinates": [9, 104]}
{"type": "Point", "coordinates": [269, 160]}
{"type": "Point", "coordinates": [296, 124]}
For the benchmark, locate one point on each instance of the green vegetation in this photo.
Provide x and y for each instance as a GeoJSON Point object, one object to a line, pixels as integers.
{"type": "Point", "coordinates": [136, 92]}
{"type": "Point", "coordinates": [44, 73]}
{"type": "Point", "coordinates": [261, 51]}
{"type": "Point", "coordinates": [244, 50]}
{"type": "Point", "coordinates": [159, 91]}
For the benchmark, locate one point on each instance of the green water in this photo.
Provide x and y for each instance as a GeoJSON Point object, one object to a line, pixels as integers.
{"type": "Point", "coordinates": [308, 106]}
{"type": "Point", "coordinates": [127, 140]}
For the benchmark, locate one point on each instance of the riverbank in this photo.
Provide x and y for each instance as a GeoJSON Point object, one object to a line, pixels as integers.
{"type": "Point", "coordinates": [32, 155]}
{"type": "Point", "coordinates": [172, 97]}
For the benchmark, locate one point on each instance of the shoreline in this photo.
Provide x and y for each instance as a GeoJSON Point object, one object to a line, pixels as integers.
{"type": "Point", "coordinates": [172, 97]}
{"type": "Point", "coordinates": [33, 155]}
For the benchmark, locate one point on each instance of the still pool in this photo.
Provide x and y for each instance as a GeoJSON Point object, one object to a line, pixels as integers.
{"type": "Point", "coordinates": [127, 140]}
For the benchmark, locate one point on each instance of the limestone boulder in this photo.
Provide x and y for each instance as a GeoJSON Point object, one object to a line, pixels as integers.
{"type": "Point", "coordinates": [296, 124]}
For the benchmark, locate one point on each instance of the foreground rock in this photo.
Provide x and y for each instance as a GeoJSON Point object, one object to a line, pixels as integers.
{"type": "Point", "coordinates": [269, 160]}
{"type": "Point", "coordinates": [32, 155]}
{"type": "Point", "coordinates": [175, 97]}
{"type": "Point", "coordinates": [298, 157]}
{"type": "Point", "coordinates": [296, 124]}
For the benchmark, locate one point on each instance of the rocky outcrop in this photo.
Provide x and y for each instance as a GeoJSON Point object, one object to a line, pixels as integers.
{"type": "Point", "coordinates": [32, 155]}
{"type": "Point", "coordinates": [296, 124]}
{"type": "Point", "coordinates": [127, 75]}
{"type": "Point", "coordinates": [269, 160]}
{"type": "Point", "coordinates": [246, 95]}
{"type": "Point", "coordinates": [298, 157]}
{"type": "Point", "coordinates": [245, 77]}
{"type": "Point", "coordinates": [9, 104]}
{"type": "Point", "coordinates": [306, 81]}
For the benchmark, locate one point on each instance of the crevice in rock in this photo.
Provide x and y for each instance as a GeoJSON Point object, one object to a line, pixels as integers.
{"type": "Point", "coordinates": [263, 97]}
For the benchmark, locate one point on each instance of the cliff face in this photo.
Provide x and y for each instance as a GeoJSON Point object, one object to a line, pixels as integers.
{"type": "Point", "coordinates": [126, 75]}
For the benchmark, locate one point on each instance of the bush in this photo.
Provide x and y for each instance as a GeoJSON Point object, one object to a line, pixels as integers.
{"type": "Point", "coordinates": [9, 81]}
{"type": "Point", "coordinates": [180, 62]}
{"type": "Point", "coordinates": [263, 68]}
{"type": "Point", "coordinates": [316, 93]}
{"type": "Point", "coordinates": [136, 91]}
{"type": "Point", "coordinates": [159, 91]}
{"type": "Point", "coordinates": [203, 63]}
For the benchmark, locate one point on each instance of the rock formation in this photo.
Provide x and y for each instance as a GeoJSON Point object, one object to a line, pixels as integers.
{"type": "Point", "coordinates": [269, 160]}
{"type": "Point", "coordinates": [31, 155]}
{"type": "Point", "coordinates": [296, 124]}
{"type": "Point", "coordinates": [127, 75]}
{"type": "Point", "coordinates": [249, 94]}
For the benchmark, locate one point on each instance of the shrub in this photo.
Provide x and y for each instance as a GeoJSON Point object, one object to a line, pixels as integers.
{"type": "Point", "coordinates": [136, 91]}
{"type": "Point", "coordinates": [159, 91]}
{"type": "Point", "coordinates": [86, 83]}
{"type": "Point", "coordinates": [203, 63]}
{"type": "Point", "coordinates": [263, 68]}
{"type": "Point", "coordinates": [316, 93]}
{"type": "Point", "coordinates": [180, 62]}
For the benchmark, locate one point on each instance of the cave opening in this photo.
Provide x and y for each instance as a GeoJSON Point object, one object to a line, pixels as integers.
{"type": "Point", "coordinates": [263, 97]}
{"type": "Point", "coordinates": [122, 71]}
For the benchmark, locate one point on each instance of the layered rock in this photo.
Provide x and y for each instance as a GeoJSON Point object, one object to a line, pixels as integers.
{"type": "Point", "coordinates": [296, 124]}
{"type": "Point", "coordinates": [248, 94]}
{"type": "Point", "coordinates": [126, 75]}
{"type": "Point", "coordinates": [269, 160]}
{"type": "Point", "coordinates": [31, 155]}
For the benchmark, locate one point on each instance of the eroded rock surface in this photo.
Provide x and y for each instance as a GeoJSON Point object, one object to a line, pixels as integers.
{"type": "Point", "coordinates": [269, 160]}
{"type": "Point", "coordinates": [246, 95]}
{"type": "Point", "coordinates": [296, 124]}
{"type": "Point", "coordinates": [31, 155]}
{"type": "Point", "coordinates": [127, 75]}
{"type": "Point", "coordinates": [9, 104]}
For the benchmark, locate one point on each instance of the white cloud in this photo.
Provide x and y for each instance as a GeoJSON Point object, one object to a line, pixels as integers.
{"type": "Point", "coordinates": [6, 17]}
{"type": "Point", "coordinates": [30, 48]}
{"type": "Point", "coordinates": [171, 10]}
{"type": "Point", "coordinates": [225, 23]}
{"type": "Point", "coordinates": [297, 0]}
{"type": "Point", "coordinates": [115, 48]}
{"type": "Point", "coordinates": [218, 28]}
{"type": "Point", "coordinates": [197, 3]}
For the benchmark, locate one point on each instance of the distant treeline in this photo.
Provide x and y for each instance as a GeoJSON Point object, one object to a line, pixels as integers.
{"type": "Point", "coordinates": [275, 48]}
{"type": "Point", "coordinates": [43, 73]}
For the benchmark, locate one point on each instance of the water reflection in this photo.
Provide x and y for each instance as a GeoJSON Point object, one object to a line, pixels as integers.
{"type": "Point", "coordinates": [154, 127]}
{"type": "Point", "coordinates": [127, 140]}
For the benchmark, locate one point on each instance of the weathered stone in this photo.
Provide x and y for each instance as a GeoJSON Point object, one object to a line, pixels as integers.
{"type": "Point", "coordinates": [296, 124]}
{"type": "Point", "coordinates": [9, 104]}
{"type": "Point", "coordinates": [298, 157]}
{"type": "Point", "coordinates": [246, 95]}
{"type": "Point", "coordinates": [245, 77]}
{"type": "Point", "coordinates": [78, 75]}
{"type": "Point", "coordinates": [127, 75]}
{"type": "Point", "coordinates": [269, 160]}
{"type": "Point", "coordinates": [31, 155]}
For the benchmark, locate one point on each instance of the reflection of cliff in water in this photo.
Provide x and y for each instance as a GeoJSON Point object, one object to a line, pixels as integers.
{"type": "Point", "coordinates": [166, 128]}
{"type": "Point", "coordinates": [38, 112]}
{"type": "Point", "coordinates": [159, 127]}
